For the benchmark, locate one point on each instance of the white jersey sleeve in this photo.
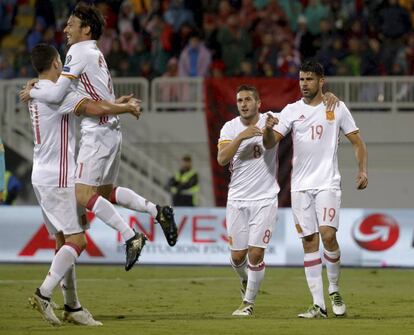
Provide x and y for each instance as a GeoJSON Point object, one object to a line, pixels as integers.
{"type": "Point", "coordinates": [285, 122]}
{"type": "Point", "coordinates": [54, 94]}
{"type": "Point", "coordinates": [71, 103]}
{"type": "Point", "coordinates": [75, 63]}
{"type": "Point", "coordinates": [226, 135]}
{"type": "Point", "coordinates": [347, 124]}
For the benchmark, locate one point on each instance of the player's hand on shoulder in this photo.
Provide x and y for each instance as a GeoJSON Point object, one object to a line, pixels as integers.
{"type": "Point", "coordinates": [331, 101]}
{"type": "Point", "coordinates": [361, 181]}
{"type": "Point", "coordinates": [24, 94]}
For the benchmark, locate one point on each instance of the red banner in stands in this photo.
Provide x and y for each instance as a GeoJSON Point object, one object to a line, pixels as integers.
{"type": "Point", "coordinates": [221, 107]}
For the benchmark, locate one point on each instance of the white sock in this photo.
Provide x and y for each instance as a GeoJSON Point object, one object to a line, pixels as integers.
{"type": "Point", "coordinates": [107, 212]}
{"type": "Point", "coordinates": [313, 272]}
{"type": "Point", "coordinates": [68, 285]}
{"type": "Point", "coordinates": [127, 198]}
{"type": "Point", "coordinates": [240, 269]}
{"type": "Point", "coordinates": [255, 275]}
{"type": "Point", "coordinates": [333, 264]}
{"type": "Point", "coordinates": [63, 260]}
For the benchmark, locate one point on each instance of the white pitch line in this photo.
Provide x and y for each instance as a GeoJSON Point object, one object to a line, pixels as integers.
{"type": "Point", "coordinates": [30, 281]}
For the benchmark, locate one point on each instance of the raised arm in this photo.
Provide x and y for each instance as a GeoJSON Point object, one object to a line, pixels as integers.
{"type": "Point", "coordinates": [53, 94]}
{"type": "Point", "coordinates": [270, 136]}
{"type": "Point", "coordinates": [361, 155]}
{"type": "Point", "coordinates": [227, 149]}
{"type": "Point", "coordinates": [102, 108]}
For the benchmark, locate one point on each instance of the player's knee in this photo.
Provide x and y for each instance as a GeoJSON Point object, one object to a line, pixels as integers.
{"type": "Point", "coordinates": [329, 238]}
{"type": "Point", "coordinates": [256, 256]}
{"type": "Point", "coordinates": [238, 258]}
{"type": "Point", "coordinates": [83, 195]}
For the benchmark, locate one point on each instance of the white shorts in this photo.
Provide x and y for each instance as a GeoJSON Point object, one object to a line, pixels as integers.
{"type": "Point", "coordinates": [314, 208]}
{"type": "Point", "coordinates": [60, 210]}
{"type": "Point", "coordinates": [99, 157]}
{"type": "Point", "coordinates": [250, 223]}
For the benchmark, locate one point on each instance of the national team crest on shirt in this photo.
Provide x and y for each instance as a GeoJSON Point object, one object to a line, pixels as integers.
{"type": "Point", "coordinates": [68, 59]}
{"type": "Point", "coordinates": [330, 115]}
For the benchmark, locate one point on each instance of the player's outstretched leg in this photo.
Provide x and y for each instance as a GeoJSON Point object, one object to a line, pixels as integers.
{"type": "Point", "coordinates": [165, 217]}
{"type": "Point", "coordinates": [133, 250]}
{"type": "Point", "coordinates": [79, 316]}
{"type": "Point", "coordinates": [42, 304]}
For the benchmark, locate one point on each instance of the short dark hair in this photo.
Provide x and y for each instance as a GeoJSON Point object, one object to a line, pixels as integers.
{"type": "Point", "coordinates": [42, 56]}
{"type": "Point", "coordinates": [91, 17]}
{"type": "Point", "coordinates": [312, 66]}
{"type": "Point", "coordinates": [250, 89]}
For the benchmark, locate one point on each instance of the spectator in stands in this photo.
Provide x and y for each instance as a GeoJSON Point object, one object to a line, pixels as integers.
{"type": "Point", "coordinates": [126, 16]}
{"type": "Point", "coordinates": [371, 60]}
{"type": "Point", "coordinates": [354, 58]}
{"type": "Point", "coordinates": [247, 69]}
{"type": "Point", "coordinates": [293, 10]}
{"type": "Point", "coordinates": [115, 56]}
{"type": "Point", "coordinates": [170, 92]}
{"type": "Point", "coordinates": [176, 15]}
{"type": "Point", "coordinates": [304, 40]}
{"type": "Point", "coordinates": [128, 38]}
{"type": "Point", "coordinates": [162, 45]}
{"type": "Point", "coordinates": [184, 186]}
{"type": "Point", "coordinates": [394, 22]}
{"type": "Point", "coordinates": [314, 12]}
{"type": "Point", "coordinates": [210, 35]}
{"type": "Point", "coordinates": [288, 61]}
{"type": "Point", "coordinates": [35, 36]}
{"type": "Point", "coordinates": [141, 54]}
{"type": "Point", "coordinates": [195, 59]}
{"type": "Point", "coordinates": [235, 43]}
{"type": "Point", "coordinates": [405, 55]}
{"type": "Point", "coordinates": [248, 14]}
{"type": "Point", "coordinates": [332, 59]}
{"type": "Point", "coordinates": [266, 54]}
{"type": "Point", "coordinates": [106, 40]}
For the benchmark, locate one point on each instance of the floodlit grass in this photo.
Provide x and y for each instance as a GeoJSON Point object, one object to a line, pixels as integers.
{"type": "Point", "coordinates": [199, 300]}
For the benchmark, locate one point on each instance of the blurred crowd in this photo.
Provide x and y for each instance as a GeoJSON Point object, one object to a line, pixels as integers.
{"type": "Point", "coordinates": [266, 38]}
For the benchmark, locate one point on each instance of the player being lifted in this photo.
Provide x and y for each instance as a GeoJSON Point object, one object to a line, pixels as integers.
{"type": "Point", "coordinates": [53, 183]}
{"type": "Point", "coordinates": [100, 147]}
{"type": "Point", "coordinates": [315, 185]}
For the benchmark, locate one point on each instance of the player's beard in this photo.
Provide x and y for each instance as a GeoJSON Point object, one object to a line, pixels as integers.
{"type": "Point", "coordinates": [310, 96]}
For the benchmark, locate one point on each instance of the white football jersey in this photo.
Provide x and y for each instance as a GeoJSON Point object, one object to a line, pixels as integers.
{"type": "Point", "coordinates": [86, 66]}
{"type": "Point", "coordinates": [315, 135]}
{"type": "Point", "coordinates": [54, 139]}
{"type": "Point", "coordinates": [253, 168]}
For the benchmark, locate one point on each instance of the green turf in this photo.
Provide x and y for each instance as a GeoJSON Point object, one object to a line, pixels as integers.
{"type": "Point", "coordinates": [199, 300]}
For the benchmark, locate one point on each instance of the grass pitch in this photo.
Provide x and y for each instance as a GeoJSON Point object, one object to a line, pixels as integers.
{"type": "Point", "coordinates": [199, 300]}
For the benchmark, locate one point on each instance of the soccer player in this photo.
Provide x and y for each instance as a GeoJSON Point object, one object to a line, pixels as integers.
{"type": "Point", "coordinates": [53, 182]}
{"type": "Point", "coordinates": [252, 197]}
{"type": "Point", "coordinates": [315, 185]}
{"type": "Point", "coordinates": [100, 147]}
